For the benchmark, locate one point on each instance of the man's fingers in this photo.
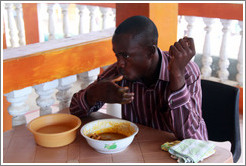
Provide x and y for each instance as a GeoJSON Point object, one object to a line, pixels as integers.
{"type": "Point", "coordinates": [128, 95]}
{"type": "Point", "coordinates": [174, 50]}
{"type": "Point", "coordinates": [126, 101]}
{"type": "Point", "coordinates": [118, 79]}
{"type": "Point", "coordinates": [190, 42]}
{"type": "Point", "coordinates": [178, 46]}
{"type": "Point", "coordinates": [184, 44]}
{"type": "Point", "coordinates": [170, 51]}
{"type": "Point", "coordinates": [123, 89]}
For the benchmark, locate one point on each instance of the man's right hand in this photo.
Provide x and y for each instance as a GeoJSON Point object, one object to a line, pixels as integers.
{"type": "Point", "coordinates": [108, 91]}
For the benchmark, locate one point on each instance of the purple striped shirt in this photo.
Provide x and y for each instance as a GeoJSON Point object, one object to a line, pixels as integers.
{"type": "Point", "coordinates": [178, 112]}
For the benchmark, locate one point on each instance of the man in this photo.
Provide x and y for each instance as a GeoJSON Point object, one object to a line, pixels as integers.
{"type": "Point", "coordinates": [157, 89]}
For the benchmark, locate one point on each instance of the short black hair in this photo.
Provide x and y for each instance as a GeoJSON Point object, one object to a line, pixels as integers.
{"type": "Point", "coordinates": [140, 27]}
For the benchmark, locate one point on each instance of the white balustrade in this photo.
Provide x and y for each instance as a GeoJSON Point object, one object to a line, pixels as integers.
{"type": "Point", "coordinates": [239, 76]}
{"type": "Point", "coordinates": [45, 99]}
{"type": "Point", "coordinates": [93, 14]}
{"type": "Point", "coordinates": [12, 25]}
{"type": "Point", "coordinates": [18, 107]}
{"type": "Point", "coordinates": [206, 57]}
{"type": "Point", "coordinates": [190, 28]}
{"type": "Point", "coordinates": [114, 17]}
{"type": "Point", "coordinates": [83, 19]}
{"type": "Point", "coordinates": [63, 95]}
{"type": "Point", "coordinates": [65, 19]}
{"type": "Point", "coordinates": [51, 23]}
{"type": "Point", "coordinates": [223, 73]}
{"type": "Point", "coordinates": [181, 27]}
{"type": "Point", "coordinates": [106, 14]}
{"type": "Point", "coordinates": [20, 24]}
{"type": "Point", "coordinates": [88, 77]}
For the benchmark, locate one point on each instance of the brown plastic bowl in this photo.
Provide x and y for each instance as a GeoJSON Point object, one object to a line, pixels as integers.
{"type": "Point", "coordinates": [54, 130]}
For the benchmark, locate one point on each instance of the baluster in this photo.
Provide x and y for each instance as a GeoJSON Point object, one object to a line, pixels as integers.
{"type": "Point", "coordinates": [239, 75]}
{"type": "Point", "coordinates": [63, 94]}
{"type": "Point", "coordinates": [88, 77]}
{"type": "Point", "coordinates": [20, 24]}
{"type": "Point", "coordinates": [51, 25]}
{"type": "Point", "coordinates": [114, 17]}
{"type": "Point", "coordinates": [190, 28]}
{"type": "Point", "coordinates": [83, 19]}
{"type": "Point", "coordinates": [206, 58]}
{"type": "Point", "coordinates": [65, 19]}
{"type": "Point", "coordinates": [45, 99]}
{"type": "Point", "coordinates": [106, 17]}
{"type": "Point", "coordinates": [12, 25]}
{"type": "Point", "coordinates": [18, 107]}
{"type": "Point", "coordinates": [181, 27]}
{"type": "Point", "coordinates": [93, 25]}
{"type": "Point", "coordinates": [224, 50]}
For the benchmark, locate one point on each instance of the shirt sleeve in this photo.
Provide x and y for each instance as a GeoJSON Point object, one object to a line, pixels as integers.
{"type": "Point", "coordinates": [185, 107]}
{"type": "Point", "coordinates": [79, 106]}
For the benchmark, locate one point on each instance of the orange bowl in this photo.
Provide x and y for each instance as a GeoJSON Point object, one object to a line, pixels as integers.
{"type": "Point", "coordinates": [54, 130]}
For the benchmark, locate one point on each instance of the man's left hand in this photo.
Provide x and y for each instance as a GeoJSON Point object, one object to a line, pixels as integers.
{"type": "Point", "coordinates": [180, 55]}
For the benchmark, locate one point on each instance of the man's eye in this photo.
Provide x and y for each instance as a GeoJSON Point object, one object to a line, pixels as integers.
{"type": "Point", "coordinates": [126, 56]}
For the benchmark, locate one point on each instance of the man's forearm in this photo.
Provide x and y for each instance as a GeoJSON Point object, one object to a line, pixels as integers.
{"type": "Point", "coordinates": [90, 95]}
{"type": "Point", "coordinates": [177, 81]}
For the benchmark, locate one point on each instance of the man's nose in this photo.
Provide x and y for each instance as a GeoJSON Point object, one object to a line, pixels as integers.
{"type": "Point", "coordinates": [121, 62]}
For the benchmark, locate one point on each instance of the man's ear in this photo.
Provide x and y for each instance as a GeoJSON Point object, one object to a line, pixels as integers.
{"type": "Point", "coordinates": [151, 50]}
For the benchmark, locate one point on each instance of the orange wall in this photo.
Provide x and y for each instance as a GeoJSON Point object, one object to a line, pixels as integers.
{"type": "Point", "coordinates": [7, 119]}
{"type": "Point", "coordinates": [4, 37]}
{"type": "Point", "coordinates": [30, 16]}
{"type": "Point", "coordinates": [164, 15]}
{"type": "Point", "coordinates": [125, 10]}
{"type": "Point", "coordinates": [241, 100]}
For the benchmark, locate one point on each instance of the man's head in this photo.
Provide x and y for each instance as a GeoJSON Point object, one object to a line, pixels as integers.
{"type": "Point", "coordinates": [135, 43]}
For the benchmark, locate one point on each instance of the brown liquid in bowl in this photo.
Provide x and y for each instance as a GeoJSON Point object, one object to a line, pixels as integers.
{"type": "Point", "coordinates": [54, 129]}
{"type": "Point", "coordinates": [108, 136]}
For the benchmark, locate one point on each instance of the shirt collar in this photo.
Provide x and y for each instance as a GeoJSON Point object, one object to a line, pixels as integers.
{"type": "Point", "coordinates": [164, 73]}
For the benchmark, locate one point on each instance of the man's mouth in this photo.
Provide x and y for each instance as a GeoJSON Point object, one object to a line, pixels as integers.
{"type": "Point", "coordinates": [122, 72]}
{"type": "Point", "coordinates": [125, 74]}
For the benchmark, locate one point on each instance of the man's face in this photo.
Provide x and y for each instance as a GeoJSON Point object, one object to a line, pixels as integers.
{"type": "Point", "coordinates": [132, 58]}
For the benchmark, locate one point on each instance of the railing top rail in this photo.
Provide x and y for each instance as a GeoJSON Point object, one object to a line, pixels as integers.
{"type": "Point", "coordinates": [42, 62]}
{"type": "Point", "coordinates": [12, 53]}
{"type": "Point", "coordinates": [213, 10]}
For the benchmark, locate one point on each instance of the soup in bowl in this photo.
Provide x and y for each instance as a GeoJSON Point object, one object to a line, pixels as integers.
{"type": "Point", "coordinates": [109, 135]}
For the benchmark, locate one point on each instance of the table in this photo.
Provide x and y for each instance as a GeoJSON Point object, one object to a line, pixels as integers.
{"type": "Point", "coordinates": [19, 147]}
